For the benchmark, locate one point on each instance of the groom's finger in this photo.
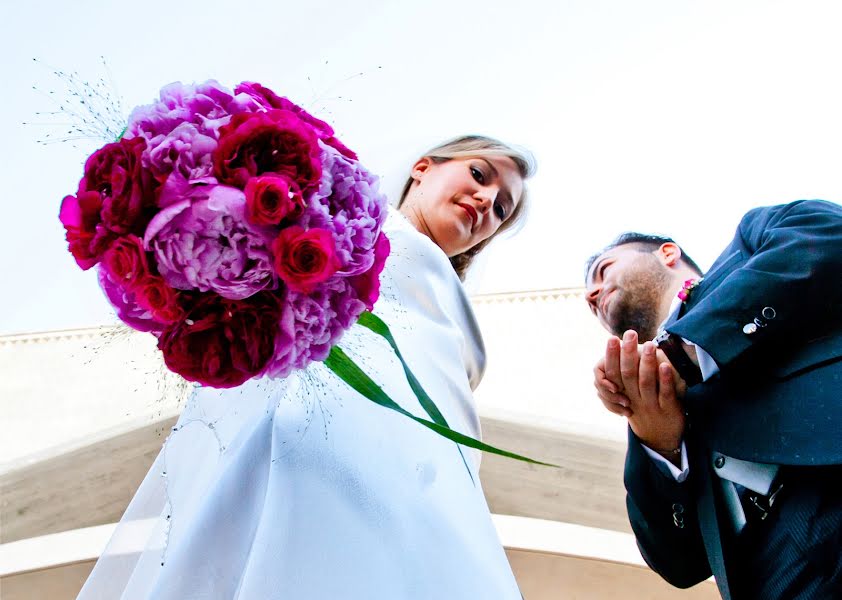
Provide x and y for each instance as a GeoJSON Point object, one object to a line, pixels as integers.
{"type": "Point", "coordinates": [648, 375]}
{"type": "Point", "coordinates": [629, 364]}
{"type": "Point", "coordinates": [611, 363]}
{"type": "Point", "coordinates": [666, 390]}
{"type": "Point", "coordinates": [615, 403]}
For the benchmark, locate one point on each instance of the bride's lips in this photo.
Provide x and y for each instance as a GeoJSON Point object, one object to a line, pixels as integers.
{"type": "Point", "coordinates": [471, 213]}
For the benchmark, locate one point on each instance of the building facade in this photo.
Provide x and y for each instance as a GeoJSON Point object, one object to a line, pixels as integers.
{"type": "Point", "coordinates": [85, 413]}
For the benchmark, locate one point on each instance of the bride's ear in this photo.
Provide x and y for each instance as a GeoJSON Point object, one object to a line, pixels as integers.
{"type": "Point", "coordinates": [420, 168]}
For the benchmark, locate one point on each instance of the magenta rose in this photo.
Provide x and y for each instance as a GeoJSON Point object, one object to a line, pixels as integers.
{"type": "Point", "coordinates": [223, 343]}
{"type": "Point", "coordinates": [270, 199]}
{"type": "Point", "coordinates": [126, 261]}
{"type": "Point", "coordinates": [367, 285]}
{"type": "Point", "coordinates": [153, 294]}
{"type": "Point", "coordinates": [269, 99]}
{"type": "Point", "coordinates": [116, 172]}
{"type": "Point", "coordinates": [87, 237]}
{"type": "Point", "coordinates": [276, 141]}
{"type": "Point", "coordinates": [304, 258]}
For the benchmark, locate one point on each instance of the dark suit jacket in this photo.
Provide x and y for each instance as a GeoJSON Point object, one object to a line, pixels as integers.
{"type": "Point", "coordinates": [769, 311]}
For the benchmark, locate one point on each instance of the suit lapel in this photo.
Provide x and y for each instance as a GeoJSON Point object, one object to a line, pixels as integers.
{"type": "Point", "coordinates": [709, 524]}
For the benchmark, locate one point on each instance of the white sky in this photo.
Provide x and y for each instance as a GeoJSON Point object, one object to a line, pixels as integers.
{"type": "Point", "coordinates": [670, 116]}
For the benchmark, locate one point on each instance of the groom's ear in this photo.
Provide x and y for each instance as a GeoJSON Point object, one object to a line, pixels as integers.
{"type": "Point", "coordinates": [669, 254]}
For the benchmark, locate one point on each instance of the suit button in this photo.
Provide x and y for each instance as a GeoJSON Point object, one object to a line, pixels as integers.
{"type": "Point", "coordinates": [678, 520]}
{"type": "Point", "coordinates": [768, 313]}
{"type": "Point", "coordinates": [749, 328]}
{"type": "Point", "coordinates": [719, 462]}
{"type": "Point", "coordinates": [677, 508]}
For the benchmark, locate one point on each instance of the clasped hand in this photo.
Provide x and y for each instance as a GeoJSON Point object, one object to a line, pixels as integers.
{"type": "Point", "coordinates": [639, 383]}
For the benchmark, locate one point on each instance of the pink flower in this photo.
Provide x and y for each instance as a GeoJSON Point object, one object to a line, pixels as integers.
{"type": "Point", "coordinates": [312, 323]}
{"type": "Point", "coordinates": [270, 199]}
{"type": "Point", "coordinates": [87, 237]}
{"type": "Point", "coordinates": [126, 304]}
{"type": "Point", "coordinates": [349, 204]}
{"type": "Point", "coordinates": [269, 99]}
{"type": "Point", "coordinates": [367, 285]}
{"type": "Point", "coordinates": [153, 294]}
{"type": "Point", "coordinates": [207, 105]}
{"type": "Point", "coordinates": [223, 343]}
{"type": "Point", "coordinates": [276, 141]}
{"type": "Point", "coordinates": [126, 261]}
{"type": "Point", "coordinates": [304, 258]}
{"type": "Point", "coordinates": [205, 243]}
{"type": "Point", "coordinates": [179, 160]}
{"type": "Point", "coordinates": [115, 172]}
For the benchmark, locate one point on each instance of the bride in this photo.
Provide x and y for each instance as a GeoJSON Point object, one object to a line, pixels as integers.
{"type": "Point", "coordinates": [302, 488]}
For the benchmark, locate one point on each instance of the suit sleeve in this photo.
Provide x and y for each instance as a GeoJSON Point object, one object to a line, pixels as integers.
{"type": "Point", "coordinates": [792, 264]}
{"type": "Point", "coordinates": [663, 517]}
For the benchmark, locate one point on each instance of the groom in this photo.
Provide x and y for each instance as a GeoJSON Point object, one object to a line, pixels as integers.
{"type": "Point", "coordinates": [734, 460]}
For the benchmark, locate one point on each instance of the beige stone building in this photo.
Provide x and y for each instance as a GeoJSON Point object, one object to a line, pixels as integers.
{"type": "Point", "coordinates": [84, 413]}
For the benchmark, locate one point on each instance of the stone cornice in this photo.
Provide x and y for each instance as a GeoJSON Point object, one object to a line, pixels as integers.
{"type": "Point", "coordinates": [543, 296]}
{"type": "Point", "coordinates": [82, 333]}
{"type": "Point", "coordinates": [37, 337]}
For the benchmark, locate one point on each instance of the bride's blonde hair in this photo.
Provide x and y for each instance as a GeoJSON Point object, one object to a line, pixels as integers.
{"type": "Point", "coordinates": [479, 146]}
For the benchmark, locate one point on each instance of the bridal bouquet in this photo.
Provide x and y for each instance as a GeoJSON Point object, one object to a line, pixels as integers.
{"type": "Point", "coordinates": [237, 229]}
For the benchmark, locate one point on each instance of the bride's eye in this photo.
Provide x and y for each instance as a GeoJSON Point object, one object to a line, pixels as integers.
{"type": "Point", "coordinates": [478, 175]}
{"type": "Point", "coordinates": [500, 210]}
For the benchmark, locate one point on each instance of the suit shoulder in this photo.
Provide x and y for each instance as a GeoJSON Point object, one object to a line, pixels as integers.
{"type": "Point", "coordinates": [796, 206]}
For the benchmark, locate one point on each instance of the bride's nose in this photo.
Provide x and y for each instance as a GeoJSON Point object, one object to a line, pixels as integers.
{"type": "Point", "coordinates": [485, 199]}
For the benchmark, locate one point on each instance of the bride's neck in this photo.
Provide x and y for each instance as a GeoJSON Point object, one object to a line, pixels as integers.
{"type": "Point", "coordinates": [415, 217]}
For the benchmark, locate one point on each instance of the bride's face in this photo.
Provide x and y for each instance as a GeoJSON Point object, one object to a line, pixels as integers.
{"type": "Point", "coordinates": [463, 201]}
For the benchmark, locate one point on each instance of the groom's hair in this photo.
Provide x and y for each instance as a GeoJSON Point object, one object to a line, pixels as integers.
{"type": "Point", "coordinates": [643, 242]}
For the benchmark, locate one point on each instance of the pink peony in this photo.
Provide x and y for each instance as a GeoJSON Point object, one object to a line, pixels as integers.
{"type": "Point", "coordinates": [206, 244]}
{"type": "Point", "coordinates": [269, 99]}
{"type": "Point", "coordinates": [367, 285]}
{"type": "Point", "coordinates": [223, 343]}
{"type": "Point", "coordinates": [115, 172]}
{"type": "Point", "coordinates": [276, 142]}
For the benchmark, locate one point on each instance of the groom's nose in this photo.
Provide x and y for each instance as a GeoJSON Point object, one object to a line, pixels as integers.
{"type": "Point", "coordinates": [591, 296]}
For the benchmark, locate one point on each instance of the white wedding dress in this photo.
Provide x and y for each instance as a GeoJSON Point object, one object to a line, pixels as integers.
{"type": "Point", "coordinates": [303, 489]}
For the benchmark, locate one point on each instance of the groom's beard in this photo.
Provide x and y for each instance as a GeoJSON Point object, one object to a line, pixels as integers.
{"type": "Point", "coordinates": [637, 300]}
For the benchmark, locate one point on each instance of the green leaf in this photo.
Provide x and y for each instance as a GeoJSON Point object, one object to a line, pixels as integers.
{"type": "Point", "coordinates": [348, 371]}
{"type": "Point", "coordinates": [376, 324]}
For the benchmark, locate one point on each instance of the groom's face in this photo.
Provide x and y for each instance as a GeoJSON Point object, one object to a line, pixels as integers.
{"type": "Point", "coordinates": [624, 290]}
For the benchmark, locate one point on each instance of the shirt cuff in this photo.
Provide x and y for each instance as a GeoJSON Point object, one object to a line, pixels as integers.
{"type": "Point", "coordinates": [707, 365]}
{"type": "Point", "coordinates": [667, 467]}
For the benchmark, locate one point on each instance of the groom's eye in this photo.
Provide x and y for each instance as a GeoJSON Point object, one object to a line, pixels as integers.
{"type": "Point", "coordinates": [602, 270]}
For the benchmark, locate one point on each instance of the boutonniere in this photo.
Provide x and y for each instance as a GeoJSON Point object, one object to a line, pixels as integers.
{"type": "Point", "coordinates": [689, 286]}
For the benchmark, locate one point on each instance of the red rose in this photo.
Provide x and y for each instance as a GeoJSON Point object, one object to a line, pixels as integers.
{"type": "Point", "coordinates": [270, 99]}
{"type": "Point", "coordinates": [87, 238]}
{"type": "Point", "coordinates": [276, 141]}
{"type": "Point", "coordinates": [155, 295]}
{"type": "Point", "coordinates": [272, 198]}
{"type": "Point", "coordinates": [367, 285]}
{"type": "Point", "coordinates": [223, 343]}
{"type": "Point", "coordinates": [125, 261]}
{"type": "Point", "coordinates": [304, 259]}
{"type": "Point", "coordinates": [125, 187]}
